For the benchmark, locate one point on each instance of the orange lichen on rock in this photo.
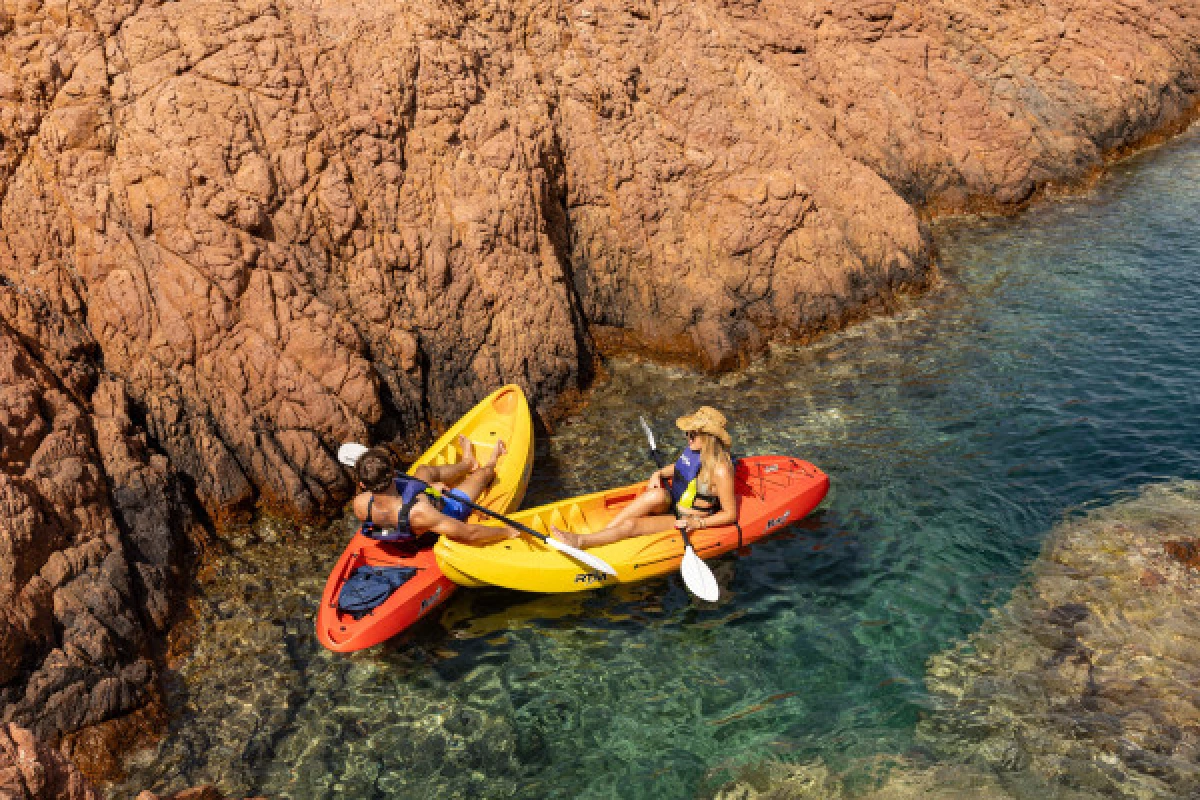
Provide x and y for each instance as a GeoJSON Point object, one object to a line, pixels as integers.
{"type": "Point", "coordinates": [1186, 552]}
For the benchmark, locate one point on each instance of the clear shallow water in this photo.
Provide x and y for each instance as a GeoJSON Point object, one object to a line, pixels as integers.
{"type": "Point", "coordinates": [1058, 365]}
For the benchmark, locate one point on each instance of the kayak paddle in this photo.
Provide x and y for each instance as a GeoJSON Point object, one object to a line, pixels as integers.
{"type": "Point", "coordinates": [350, 452]}
{"type": "Point", "coordinates": [697, 577]}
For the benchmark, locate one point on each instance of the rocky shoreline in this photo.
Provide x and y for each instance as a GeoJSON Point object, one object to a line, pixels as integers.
{"type": "Point", "coordinates": [234, 234]}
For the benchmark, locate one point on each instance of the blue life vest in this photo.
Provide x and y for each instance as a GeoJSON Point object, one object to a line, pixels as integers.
{"type": "Point", "coordinates": [685, 485]}
{"type": "Point", "coordinates": [410, 491]}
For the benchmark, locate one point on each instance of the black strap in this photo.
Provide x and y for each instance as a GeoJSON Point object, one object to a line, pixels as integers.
{"type": "Point", "coordinates": [739, 527]}
{"type": "Point", "coordinates": [402, 523]}
{"type": "Point", "coordinates": [408, 507]}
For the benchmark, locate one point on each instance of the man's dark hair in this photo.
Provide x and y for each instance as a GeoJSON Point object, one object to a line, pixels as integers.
{"type": "Point", "coordinates": [375, 469]}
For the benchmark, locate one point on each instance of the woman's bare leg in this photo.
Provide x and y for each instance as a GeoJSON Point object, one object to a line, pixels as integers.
{"type": "Point", "coordinates": [474, 484]}
{"type": "Point", "coordinates": [647, 505]}
{"type": "Point", "coordinates": [651, 501]}
{"type": "Point", "coordinates": [615, 533]}
{"type": "Point", "coordinates": [451, 474]}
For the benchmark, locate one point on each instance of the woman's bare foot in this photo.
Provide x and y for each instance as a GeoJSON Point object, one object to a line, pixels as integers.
{"type": "Point", "coordinates": [573, 539]}
{"type": "Point", "coordinates": [468, 453]}
{"type": "Point", "coordinates": [497, 451]}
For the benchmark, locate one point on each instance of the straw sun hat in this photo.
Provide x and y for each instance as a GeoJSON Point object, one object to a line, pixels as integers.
{"type": "Point", "coordinates": [706, 419]}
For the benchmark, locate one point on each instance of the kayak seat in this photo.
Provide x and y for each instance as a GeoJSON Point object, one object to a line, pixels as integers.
{"type": "Point", "coordinates": [452, 454]}
{"type": "Point", "coordinates": [576, 521]}
{"type": "Point", "coordinates": [615, 500]}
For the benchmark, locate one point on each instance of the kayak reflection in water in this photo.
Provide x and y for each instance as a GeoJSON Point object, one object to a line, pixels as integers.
{"type": "Point", "coordinates": [394, 507]}
{"type": "Point", "coordinates": [698, 488]}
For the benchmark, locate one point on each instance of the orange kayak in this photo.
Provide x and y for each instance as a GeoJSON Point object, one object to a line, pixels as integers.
{"type": "Point", "coordinates": [772, 491]}
{"type": "Point", "coordinates": [503, 415]}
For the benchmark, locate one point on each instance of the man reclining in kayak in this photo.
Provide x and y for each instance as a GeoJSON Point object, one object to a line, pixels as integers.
{"type": "Point", "coordinates": [394, 507]}
{"type": "Point", "coordinates": [701, 488]}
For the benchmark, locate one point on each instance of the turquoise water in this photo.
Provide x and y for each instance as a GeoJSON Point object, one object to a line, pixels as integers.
{"type": "Point", "coordinates": [1056, 366]}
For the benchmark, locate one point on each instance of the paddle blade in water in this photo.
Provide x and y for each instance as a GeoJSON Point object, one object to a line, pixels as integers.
{"type": "Point", "coordinates": [698, 578]}
{"type": "Point", "coordinates": [649, 433]}
{"type": "Point", "coordinates": [582, 556]}
{"type": "Point", "coordinates": [350, 453]}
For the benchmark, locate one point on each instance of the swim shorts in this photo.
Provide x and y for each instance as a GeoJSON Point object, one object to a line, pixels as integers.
{"type": "Point", "coordinates": [452, 504]}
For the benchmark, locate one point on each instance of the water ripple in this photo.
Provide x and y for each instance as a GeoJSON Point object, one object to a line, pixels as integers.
{"type": "Point", "coordinates": [1058, 365]}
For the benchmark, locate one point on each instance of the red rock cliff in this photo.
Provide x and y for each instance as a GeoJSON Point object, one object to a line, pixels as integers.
{"type": "Point", "coordinates": [246, 230]}
{"type": "Point", "coordinates": [281, 225]}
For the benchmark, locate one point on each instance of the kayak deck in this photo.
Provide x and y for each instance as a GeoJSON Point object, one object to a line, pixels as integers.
{"type": "Point", "coordinates": [421, 593]}
{"type": "Point", "coordinates": [772, 491]}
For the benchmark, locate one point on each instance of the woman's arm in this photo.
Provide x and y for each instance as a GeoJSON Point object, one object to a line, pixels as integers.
{"type": "Point", "coordinates": [657, 477]}
{"type": "Point", "coordinates": [469, 533]}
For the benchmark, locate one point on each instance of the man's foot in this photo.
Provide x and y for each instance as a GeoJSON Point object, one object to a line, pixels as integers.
{"type": "Point", "coordinates": [573, 539]}
{"type": "Point", "coordinates": [497, 451]}
{"type": "Point", "coordinates": [468, 453]}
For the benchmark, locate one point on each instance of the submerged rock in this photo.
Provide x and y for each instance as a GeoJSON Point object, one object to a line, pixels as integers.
{"type": "Point", "coordinates": [1083, 685]}
{"type": "Point", "coordinates": [266, 705]}
{"type": "Point", "coordinates": [893, 779]}
{"type": "Point", "coordinates": [31, 770]}
{"type": "Point", "coordinates": [1088, 676]}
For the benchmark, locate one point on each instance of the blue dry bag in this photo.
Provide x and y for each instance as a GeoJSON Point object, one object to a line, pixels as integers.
{"type": "Point", "coordinates": [368, 587]}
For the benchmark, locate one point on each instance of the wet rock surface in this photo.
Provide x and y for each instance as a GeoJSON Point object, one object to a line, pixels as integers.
{"type": "Point", "coordinates": [30, 770]}
{"type": "Point", "coordinates": [90, 568]}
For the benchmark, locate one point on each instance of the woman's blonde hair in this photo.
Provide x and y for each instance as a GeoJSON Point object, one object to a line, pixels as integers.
{"type": "Point", "coordinates": [713, 453]}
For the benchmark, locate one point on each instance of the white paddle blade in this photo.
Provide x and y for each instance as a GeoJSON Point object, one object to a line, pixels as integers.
{"type": "Point", "coordinates": [582, 556]}
{"type": "Point", "coordinates": [698, 578]}
{"type": "Point", "coordinates": [350, 453]}
{"type": "Point", "coordinates": [649, 433]}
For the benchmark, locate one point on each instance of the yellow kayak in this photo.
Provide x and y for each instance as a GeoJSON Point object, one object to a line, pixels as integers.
{"type": "Point", "coordinates": [502, 415]}
{"type": "Point", "coordinates": [772, 492]}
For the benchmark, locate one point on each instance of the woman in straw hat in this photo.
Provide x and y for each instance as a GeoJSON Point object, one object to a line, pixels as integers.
{"type": "Point", "coordinates": [700, 489]}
